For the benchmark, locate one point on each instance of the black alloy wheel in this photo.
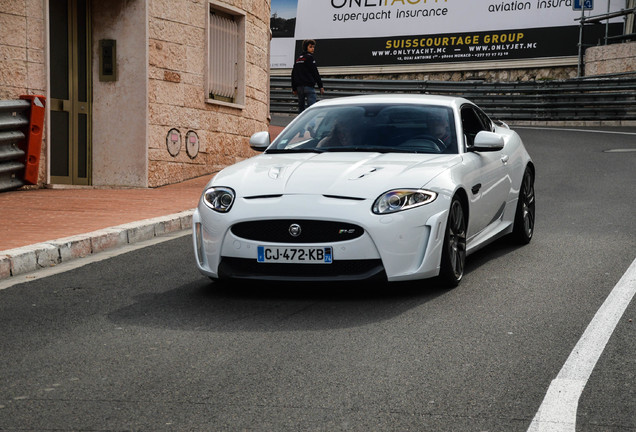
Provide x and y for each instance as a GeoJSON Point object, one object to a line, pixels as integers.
{"type": "Point", "coordinates": [524, 217]}
{"type": "Point", "coordinates": [454, 249]}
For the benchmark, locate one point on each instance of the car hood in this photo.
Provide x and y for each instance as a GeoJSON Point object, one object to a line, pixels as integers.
{"type": "Point", "coordinates": [361, 175]}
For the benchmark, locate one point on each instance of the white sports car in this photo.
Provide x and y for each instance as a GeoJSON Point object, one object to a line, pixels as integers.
{"type": "Point", "coordinates": [396, 187]}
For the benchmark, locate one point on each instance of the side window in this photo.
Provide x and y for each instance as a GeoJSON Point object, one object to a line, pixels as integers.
{"type": "Point", "coordinates": [486, 120]}
{"type": "Point", "coordinates": [471, 124]}
{"type": "Point", "coordinates": [226, 56]}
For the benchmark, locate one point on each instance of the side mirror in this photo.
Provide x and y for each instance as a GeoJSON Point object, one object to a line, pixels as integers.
{"type": "Point", "coordinates": [260, 141]}
{"type": "Point", "coordinates": [488, 141]}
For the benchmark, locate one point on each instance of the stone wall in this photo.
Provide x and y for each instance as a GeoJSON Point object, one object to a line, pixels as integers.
{"type": "Point", "coordinates": [490, 75]}
{"type": "Point", "coordinates": [22, 67]}
{"type": "Point", "coordinates": [176, 99]}
{"type": "Point", "coordinates": [119, 108]}
{"type": "Point", "coordinates": [609, 59]}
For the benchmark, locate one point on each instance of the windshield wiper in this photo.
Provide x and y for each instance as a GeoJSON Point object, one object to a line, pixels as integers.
{"type": "Point", "coordinates": [341, 149]}
{"type": "Point", "coordinates": [377, 149]}
{"type": "Point", "coordinates": [295, 150]}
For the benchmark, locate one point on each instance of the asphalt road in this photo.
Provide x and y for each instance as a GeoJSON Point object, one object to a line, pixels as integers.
{"type": "Point", "coordinates": [141, 341]}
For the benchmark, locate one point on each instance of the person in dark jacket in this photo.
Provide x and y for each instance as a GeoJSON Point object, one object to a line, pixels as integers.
{"type": "Point", "coordinates": [305, 76]}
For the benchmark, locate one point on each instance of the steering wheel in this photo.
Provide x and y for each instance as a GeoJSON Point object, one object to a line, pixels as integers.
{"type": "Point", "coordinates": [437, 144]}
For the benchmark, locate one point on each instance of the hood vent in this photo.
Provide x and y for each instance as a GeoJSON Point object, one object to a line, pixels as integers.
{"type": "Point", "coordinates": [344, 197]}
{"type": "Point", "coordinates": [263, 196]}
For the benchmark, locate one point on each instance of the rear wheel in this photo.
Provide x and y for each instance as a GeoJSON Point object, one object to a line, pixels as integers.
{"type": "Point", "coordinates": [523, 229]}
{"type": "Point", "coordinates": [454, 249]}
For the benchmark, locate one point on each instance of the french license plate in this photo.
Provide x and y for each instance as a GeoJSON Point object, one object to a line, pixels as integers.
{"type": "Point", "coordinates": [295, 255]}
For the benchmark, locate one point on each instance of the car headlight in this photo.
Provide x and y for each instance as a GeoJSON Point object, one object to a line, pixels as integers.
{"type": "Point", "coordinates": [219, 198]}
{"type": "Point", "coordinates": [402, 199]}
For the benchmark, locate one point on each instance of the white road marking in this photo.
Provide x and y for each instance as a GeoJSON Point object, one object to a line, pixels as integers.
{"type": "Point", "coordinates": [572, 130]}
{"type": "Point", "coordinates": [558, 409]}
{"type": "Point", "coordinates": [621, 150]}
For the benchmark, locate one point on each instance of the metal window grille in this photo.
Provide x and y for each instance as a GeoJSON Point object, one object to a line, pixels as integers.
{"type": "Point", "coordinates": [223, 66]}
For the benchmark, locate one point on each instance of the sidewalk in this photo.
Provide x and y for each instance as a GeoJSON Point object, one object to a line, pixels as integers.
{"type": "Point", "coordinates": [43, 227]}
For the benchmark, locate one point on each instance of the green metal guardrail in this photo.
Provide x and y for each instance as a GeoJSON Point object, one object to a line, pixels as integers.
{"type": "Point", "coordinates": [578, 99]}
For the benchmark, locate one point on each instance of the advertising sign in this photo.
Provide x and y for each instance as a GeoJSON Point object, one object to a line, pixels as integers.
{"type": "Point", "coordinates": [401, 32]}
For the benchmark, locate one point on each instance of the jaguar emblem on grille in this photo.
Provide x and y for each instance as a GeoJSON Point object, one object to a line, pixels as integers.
{"type": "Point", "coordinates": [294, 230]}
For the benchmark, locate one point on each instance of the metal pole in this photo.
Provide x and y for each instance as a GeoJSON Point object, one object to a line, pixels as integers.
{"type": "Point", "coordinates": [629, 19]}
{"type": "Point", "coordinates": [579, 71]}
{"type": "Point", "coordinates": [607, 22]}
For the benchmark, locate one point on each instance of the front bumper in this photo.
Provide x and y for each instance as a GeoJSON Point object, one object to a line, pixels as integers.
{"type": "Point", "coordinates": [400, 246]}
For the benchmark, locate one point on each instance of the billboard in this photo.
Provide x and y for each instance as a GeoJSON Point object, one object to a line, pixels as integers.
{"type": "Point", "coordinates": [406, 32]}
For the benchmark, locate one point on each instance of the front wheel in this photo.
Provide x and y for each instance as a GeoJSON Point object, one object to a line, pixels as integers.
{"type": "Point", "coordinates": [523, 229]}
{"type": "Point", "coordinates": [454, 249]}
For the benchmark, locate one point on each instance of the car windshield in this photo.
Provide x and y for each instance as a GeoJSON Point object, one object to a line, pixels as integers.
{"type": "Point", "coordinates": [385, 128]}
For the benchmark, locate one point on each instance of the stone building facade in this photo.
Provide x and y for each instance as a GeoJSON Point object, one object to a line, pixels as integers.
{"type": "Point", "coordinates": [22, 56]}
{"type": "Point", "coordinates": [129, 85]}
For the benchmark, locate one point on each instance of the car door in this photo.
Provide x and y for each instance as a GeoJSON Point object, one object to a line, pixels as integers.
{"type": "Point", "coordinates": [489, 183]}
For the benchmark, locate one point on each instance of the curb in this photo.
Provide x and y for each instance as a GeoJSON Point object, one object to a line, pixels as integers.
{"type": "Point", "coordinates": [27, 259]}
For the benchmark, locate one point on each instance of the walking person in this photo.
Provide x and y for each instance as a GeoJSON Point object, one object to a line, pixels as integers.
{"type": "Point", "coordinates": [305, 76]}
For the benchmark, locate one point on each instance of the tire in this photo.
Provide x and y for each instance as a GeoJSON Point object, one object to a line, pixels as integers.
{"type": "Point", "coordinates": [454, 249]}
{"type": "Point", "coordinates": [523, 228]}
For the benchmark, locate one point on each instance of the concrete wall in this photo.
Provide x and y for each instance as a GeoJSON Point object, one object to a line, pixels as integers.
{"type": "Point", "coordinates": [120, 126]}
{"type": "Point", "coordinates": [609, 59]}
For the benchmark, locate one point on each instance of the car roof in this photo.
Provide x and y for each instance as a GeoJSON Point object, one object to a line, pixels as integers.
{"type": "Point", "coordinates": [425, 99]}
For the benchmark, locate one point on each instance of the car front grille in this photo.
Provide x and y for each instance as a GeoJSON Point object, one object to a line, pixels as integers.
{"type": "Point", "coordinates": [297, 231]}
{"type": "Point", "coordinates": [242, 268]}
